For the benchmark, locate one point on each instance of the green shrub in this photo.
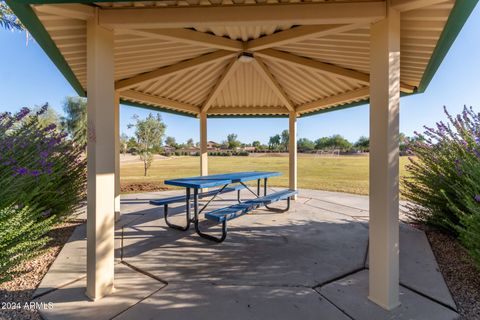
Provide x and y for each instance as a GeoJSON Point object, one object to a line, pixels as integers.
{"type": "Point", "coordinates": [22, 236]}
{"type": "Point", "coordinates": [42, 181]}
{"type": "Point", "coordinates": [443, 184]}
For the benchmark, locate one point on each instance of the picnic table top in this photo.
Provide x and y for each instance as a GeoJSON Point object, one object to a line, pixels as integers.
{"type": "Point", "coordinates": [216, 180]}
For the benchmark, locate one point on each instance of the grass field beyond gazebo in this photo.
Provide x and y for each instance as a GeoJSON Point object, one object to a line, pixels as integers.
{"type": "Point", "coordinates": [344, 173]}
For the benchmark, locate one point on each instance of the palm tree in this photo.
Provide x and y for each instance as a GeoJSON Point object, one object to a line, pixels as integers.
{"type": "Point", "coordinates": [7, 19]}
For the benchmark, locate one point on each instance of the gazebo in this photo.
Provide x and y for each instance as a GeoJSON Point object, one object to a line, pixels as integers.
{"type": "Point", "coordinates": [246, 58]}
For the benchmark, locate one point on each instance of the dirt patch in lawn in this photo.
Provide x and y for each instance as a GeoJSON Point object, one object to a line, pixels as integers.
{"type": "Point", "coordinates": [459, 272]}
{"type": "Point", "coordinates": [15, 295]}
{"type": "Point", "coordinates": [134, 187]}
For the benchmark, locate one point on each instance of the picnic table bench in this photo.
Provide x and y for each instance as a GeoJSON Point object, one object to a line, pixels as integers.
{"type": "Point", "coordinates": [226, 183]}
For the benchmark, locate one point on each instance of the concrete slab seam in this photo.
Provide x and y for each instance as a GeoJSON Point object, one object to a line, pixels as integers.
{"type": "Point", "coordinates": [59, 287]}
{"type": "Point", "coordinates": [428, 297]}
{"type": "Point", "coordinates": [330, 210]}
{"type": "Point", "coordinates": [338, 278]}
{"type": "Point", "coordinates": [366, 255]}
{"type": "Point", "coordinates": [333, 304]}
{"type": "Point", "coordinates": [139, 301]}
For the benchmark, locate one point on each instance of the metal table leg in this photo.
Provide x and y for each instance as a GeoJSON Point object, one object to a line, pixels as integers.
{"type": "Point", "coordinates": [274, 209]}
{"type": "Point", "coordinates": [265, 186]}
{"type": "Point", "coordinates": [197, 222]}
{"type": "Point", "coordinates": [174, 226]}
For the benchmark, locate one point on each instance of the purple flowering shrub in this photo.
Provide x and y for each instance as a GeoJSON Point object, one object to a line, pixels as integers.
{"type": "Point", "coordinates": [42, 182]}
{"type": "Point", "coordinates": [443, 184]}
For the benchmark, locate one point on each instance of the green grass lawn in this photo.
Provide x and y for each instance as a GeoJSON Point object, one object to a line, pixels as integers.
{"type": "Point", "coordinates": [345, 173]}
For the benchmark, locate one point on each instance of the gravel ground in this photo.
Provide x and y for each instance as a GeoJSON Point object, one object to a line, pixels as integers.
{"type": "Point", "coordinates": [459, 272]}
{"type": "Point", "coordinates": [136, 187]}
{"type": "Point", "coordinates": [14, 294]}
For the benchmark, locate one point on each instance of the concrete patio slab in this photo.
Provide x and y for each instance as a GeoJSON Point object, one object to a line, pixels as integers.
{"type": "Point", "coordinates": [233, 303]}
{"type": "Point", "coordinates": [266, 269]}
{"type": "Point", "coordinates": [71, 303]}
{"type": "Point", "coordinates": [351, 200]}
{"type": "Point", "coordinates": [70, 264]}
{"type": "Point", "coordinates": [302, 247]}
{"type": "Point", "coordinates": [350, 295]}
{"type": "Point", "coordinates": [337, 208]}
{"type": "Point", "coordinates": [418, 268]}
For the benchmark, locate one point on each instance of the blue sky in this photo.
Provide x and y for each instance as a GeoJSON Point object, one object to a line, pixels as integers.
{"type": "Point", "coordinates": [28, 78]}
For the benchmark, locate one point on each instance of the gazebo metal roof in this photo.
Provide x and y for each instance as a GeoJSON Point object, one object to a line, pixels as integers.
{"type": "Point", "coordinates": [244, 57]}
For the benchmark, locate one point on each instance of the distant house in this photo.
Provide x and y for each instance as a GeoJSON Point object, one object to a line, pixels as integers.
{"type": "Point", "coordinates": [213, 146]}
{"type": "Point", "coordinates": [190, 150]}
{"type": "Point", "coordinates": [168, 149]}
{"type": "Point", "coordinates": [248, 149]}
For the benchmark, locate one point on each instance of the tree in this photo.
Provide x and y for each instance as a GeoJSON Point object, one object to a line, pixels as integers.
{"type": "Point", "coordinates": [132, 145]}
{"type": "Point", "coordinates": [7, 19]}
{"type": "Point", "coordinates": [149, 133]}
{"type": "Point", "coordinates": [147, 157]}
{"type": "Point", "coordinates": [190, 143]}
{"type": "Point", "coordinates": [170, 141]}
{"type": "Point", "coordinates": [256, 144]}
{"type": "Point", "coordinates": [305, 145]}
{"type": "Point", "coordinates": [75, 120]}
{"type": "Point", "coordinates": [232, 141]}
{"type": "Point", "coordinates": [362, 144]}
{"type": "Point", "coordinates": [45, 116]}
{"type": "Point", "coordinates": [274, 142]}
{"type": "Point", "coordinates": [123, 143]}
{"type": "Point", "coordinates": [322, 143]}
{"type": "Point", "coordinates": [339, 142]}
{"type": "Point", "coordinates": [403, 142]}
{"type": "Point", "coordinates": [285, 137]}
{"type": "Point", "coordinates": [333, 142]}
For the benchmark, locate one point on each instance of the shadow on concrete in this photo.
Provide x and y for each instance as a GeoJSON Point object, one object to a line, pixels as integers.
{"type": "Point", "coordinates": [269, 249]}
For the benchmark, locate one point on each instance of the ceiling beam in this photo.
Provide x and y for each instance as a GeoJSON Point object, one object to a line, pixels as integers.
{"type": "Point", "coordinates": [226, 75]}
{"type": "Point", "coordinates": [358, 94]}
{"type": "Point", "coordinates": [159, 101]}
{"type": "Point", "coordinates": [332, 69]}
{"type": "Point", "coordinates": [293, 59]}
{"type": "Point", "coordinates": [74, 11]}
{"type": "Point", "coordinates": [406, 5]}
{"type": "Point", "coordinates": [187, 36]}
{"type": "Point", "coordinates": [171, 69]}
{"type": "Point", "coordinates": [247, 111]}
{"type": "Point", "coordinates": [232, 15]}
{"type": "Point", "coordinates": [297, 34]}
{"type": "Point", "coordinates": [273, 83]}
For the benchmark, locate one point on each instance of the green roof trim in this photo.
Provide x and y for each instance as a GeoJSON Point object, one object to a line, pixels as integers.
{"type": "Point", "coordinates": [26, 15]}
{"type": "Point", "coordinates": [457, 19]}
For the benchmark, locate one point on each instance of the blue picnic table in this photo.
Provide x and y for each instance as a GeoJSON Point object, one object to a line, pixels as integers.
{"type": "Point", "coordinates": [227, 182]}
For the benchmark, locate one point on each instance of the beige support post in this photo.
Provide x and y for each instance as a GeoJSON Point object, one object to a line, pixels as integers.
{"type": "Point", "coordinates": [292, 150]}
{"type": "Point", "coordinates": [203, 144]}
{"type": "Point", "coordinates": [384, 161]}
{"type": "Point", "coordinates": [101, 161]}
{"type": "Point", "coordinates": [117, 156]}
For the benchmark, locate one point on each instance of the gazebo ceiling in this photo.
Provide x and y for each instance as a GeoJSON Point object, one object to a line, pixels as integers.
{"type": "Point", "coordinates": [249, 57]}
